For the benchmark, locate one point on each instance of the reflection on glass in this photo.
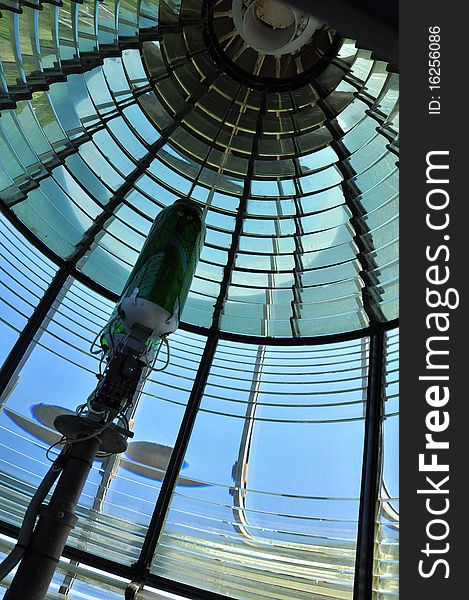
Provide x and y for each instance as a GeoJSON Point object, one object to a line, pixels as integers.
{"type": "Point", "coordinates": [59, 374]}
{"type": "Point", "coordinates": [279, 440]}
{"type": "Point", "coordinates": [110, 111]}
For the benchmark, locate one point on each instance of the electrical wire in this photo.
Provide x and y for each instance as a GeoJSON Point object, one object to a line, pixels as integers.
{"type": "Point", "coordinates": [111, 334]}
{"type": "Point", "coordinates": [147, 362]}
{"type": "Point", "coordinates": [100, 333]}
{"type": "Point", "coordinates": [63, 440]}
{"type": "Point", "coordinates": [90, 407]}
{"type": "Point", "coordinates": [92, 435]}
{"type": "Point", "coordinates": [29, 520]}
{"type": "Point", "coordinates": [80, 408]}
{"type": "Point", "coordinates": [68, 441]}
{"type": "Point", "coordinates": [93, 343]}
{"type": "Point", "coordinates": [168, 355]}
{"type": "Point", "coordinates": [100, 367]}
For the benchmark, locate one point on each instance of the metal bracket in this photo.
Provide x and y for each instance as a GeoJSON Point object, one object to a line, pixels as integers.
{"type": "Point", "coordinates": [133, 589]}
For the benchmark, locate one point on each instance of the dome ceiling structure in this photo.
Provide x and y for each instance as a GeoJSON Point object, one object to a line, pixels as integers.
{"type": "Point", "coordinates": [263, 464]}
{"type": "Point", "coordinates": [294, 163]}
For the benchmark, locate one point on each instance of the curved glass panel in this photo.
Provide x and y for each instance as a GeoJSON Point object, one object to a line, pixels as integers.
{"type": "Point", "coordinates": [298, 183]}
{"type": "Point", "coordinates": [121, 491]}
{"type": "Point", "coordinates": [25, 275]}
{"type": "Point", "coordinates": [279, 441]}
{"type": "Point", "coordinates": [243, 478]}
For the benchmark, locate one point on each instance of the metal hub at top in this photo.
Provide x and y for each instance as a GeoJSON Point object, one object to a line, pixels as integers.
{"type": "Point", "coordinates": [267, 39]}
{"type": "Point", "coordinates": [271, 27]}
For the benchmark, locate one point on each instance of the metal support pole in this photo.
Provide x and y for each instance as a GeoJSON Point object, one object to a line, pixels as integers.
{"type": "Point", "coordinates": [55, 522]}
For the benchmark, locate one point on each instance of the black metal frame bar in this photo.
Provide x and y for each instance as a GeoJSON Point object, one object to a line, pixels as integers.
{"type": "Point", "coordinates": [140, 571]}
{"type": "Point", "coordinates": [197, 329]}
{"type": "Point", "coordinates": [99, 223]}
{"type": "Point", "coordinates": [371, 471]}
{"type": "Point", "coordinates": [16, 354]}
{"type": "Point", "coordinates": [141, 568]}
{"type": "Point", "coordinates": [241, 213]}
{"type": "Point", "coordinates": [124, 571]}
{"type": "Point", "coordinates": [373, 311]}
{"type": "Point", "coordinates": [368, 498]}
{"type": "Point", "coordinates": [242, 338]}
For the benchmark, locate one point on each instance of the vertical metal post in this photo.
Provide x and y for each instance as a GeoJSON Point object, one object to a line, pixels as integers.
{"type": "Point", "coordinates": [55, 522]}
{"type": "Point", "coordinates": [371, 469]}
